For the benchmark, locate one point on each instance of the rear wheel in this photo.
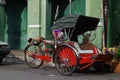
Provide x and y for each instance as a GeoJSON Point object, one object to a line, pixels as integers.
{"type": "Point", "coordinates": [65, 60]}
{"type": "Point", "coordinates": [31, 51]}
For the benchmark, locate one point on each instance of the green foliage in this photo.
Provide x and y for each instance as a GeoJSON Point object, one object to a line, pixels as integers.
{"type": "Point", "coordinates": [117, 55]}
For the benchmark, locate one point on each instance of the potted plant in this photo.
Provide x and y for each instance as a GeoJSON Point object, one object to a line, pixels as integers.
{"type": "Point", "coordinates": [116, 61]}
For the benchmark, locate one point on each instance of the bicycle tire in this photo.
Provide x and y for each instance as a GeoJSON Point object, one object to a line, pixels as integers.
{"type": "Point", "coordinates": [30, 50]}
{"type": "Point", "coordinates": [65, 60]}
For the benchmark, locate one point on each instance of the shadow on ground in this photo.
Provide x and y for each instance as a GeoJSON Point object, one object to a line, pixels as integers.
{"type": "Point", "coordinates": [11, 59]}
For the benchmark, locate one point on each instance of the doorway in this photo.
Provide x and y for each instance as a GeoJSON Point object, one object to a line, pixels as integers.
{"type": "Point", "coordinates": [16, 12]}
{"type": "Point", "coordinates": [114, 28]}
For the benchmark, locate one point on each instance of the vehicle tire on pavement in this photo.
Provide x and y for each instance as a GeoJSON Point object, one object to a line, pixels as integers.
{"type": "Point", "coordinates": [65, 60]}
{"type": "Point", "coordinates": [1, 59]}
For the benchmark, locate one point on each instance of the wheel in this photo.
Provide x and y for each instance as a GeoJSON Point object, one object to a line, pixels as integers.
{"type": "Point", "coordinates": [65, 60]}
{"type": "Point", "coordinates": [1, 59]}
{"type": "Point", "coordinates": [30, 51]}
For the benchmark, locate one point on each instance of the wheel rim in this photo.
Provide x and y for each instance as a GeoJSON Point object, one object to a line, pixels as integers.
{"type": "Point", "coordinates": [30, 59]}
{"type": "Point", "coordinates": [66, 61]}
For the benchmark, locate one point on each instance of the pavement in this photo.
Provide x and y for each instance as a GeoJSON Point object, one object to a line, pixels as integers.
{"type": "Point", "coordinates": [17, 55]}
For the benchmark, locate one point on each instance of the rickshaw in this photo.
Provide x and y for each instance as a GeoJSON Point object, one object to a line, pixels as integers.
{"type": "Point", "coordinates": [64, 50]}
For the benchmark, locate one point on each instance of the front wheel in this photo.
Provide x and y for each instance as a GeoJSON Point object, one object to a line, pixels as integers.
{"type": "Point", "coordinates": [31, 51]}
{"type": "Point", "coordinates": [65, 60]}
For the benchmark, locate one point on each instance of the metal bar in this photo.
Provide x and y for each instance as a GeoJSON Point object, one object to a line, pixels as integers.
{"type": "Point", "coordinates": [70, 10]}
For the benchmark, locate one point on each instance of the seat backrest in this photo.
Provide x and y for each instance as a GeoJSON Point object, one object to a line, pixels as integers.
{"type": "Point", "coordinates": [91, 50]}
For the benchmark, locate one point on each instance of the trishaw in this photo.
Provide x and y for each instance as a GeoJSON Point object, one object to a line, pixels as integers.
{"type": "Point", "coordinates": [65, 51]}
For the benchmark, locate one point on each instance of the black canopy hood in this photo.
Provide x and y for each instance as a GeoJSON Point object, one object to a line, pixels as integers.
{"type": "Point", "coordinates": [78, 24]}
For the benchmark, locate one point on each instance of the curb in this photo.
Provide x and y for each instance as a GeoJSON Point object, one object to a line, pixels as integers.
{"type": "Point", "coordinates": [17, 53]}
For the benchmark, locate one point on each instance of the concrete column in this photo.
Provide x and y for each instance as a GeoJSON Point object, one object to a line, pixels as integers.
{"type": "Point", "coordinates": [88, 7]}
{"type": "Point", "coordinates": [34, 26]}
{"type": "Point", "coordinates": [45, 18]}
{"type": "Point", "coordinates": [93, 8]}
{"type": "Point", "coordinates": [39, 18]}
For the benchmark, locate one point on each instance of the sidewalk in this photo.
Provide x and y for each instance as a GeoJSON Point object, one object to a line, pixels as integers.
{"type": "Point", "coordinates": [19, 54]}
{"type": "Point", "coordinates": [16, 56]}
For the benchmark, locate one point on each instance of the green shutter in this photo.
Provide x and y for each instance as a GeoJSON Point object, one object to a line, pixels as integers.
{"type": "Point", "coordinates": [2, 23]}
{"type": "Point", "coordinates": [114, 23]}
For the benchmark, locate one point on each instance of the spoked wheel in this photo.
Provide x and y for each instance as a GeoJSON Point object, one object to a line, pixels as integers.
{"type": "Point", "coordinates": [65, 60]}
{"type": "Point", "coordinates": [31, 51]}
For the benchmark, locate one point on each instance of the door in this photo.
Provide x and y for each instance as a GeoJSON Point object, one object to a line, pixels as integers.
{"type": "Point", "coordinates": [16, 11]}
{"type": "Point", "coordinates": [114, 27]}
{"type": "Point", "coordinates": [2, 22]}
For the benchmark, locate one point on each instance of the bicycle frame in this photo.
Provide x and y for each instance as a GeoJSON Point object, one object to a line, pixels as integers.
{"type": "Point", "coordinates": [46, 57]}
